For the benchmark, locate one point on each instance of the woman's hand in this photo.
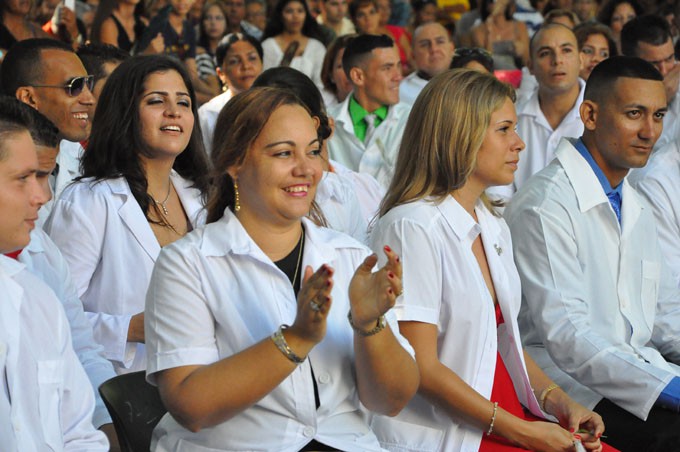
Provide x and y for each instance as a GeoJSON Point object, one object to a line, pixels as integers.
{"type": "Point", "coordinates": [314, 303]}
{"type": "Point", "coordinates": [545, 437]}
{"type": "Point", "coordinates": [372, 294]}
{"type": "Point", "coordinates": [576, 418]}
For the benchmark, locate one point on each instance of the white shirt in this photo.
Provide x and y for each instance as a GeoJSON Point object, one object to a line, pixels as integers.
{"type": "Point", "coordinates": [111, 249]}
{"type": "Point", "coordinates": [602, 293]}
{"type": "Point", "coordinates": [671, 123]}
{"type": "Point", "coordinates": [309, 63]}
{"type": "Point", "coordinates": [444, 286]}
{"type": "Point", "coordinates": [659, 182]}
{"type": "Point", "coordinates": [46, 401]}
{"type": "Point", "coordinates": [43, 259]}
{"type": "Point", "coordinates": [369, 192]}
{"type": "Point", "coordinates": [410, 87]}
{"type": "Point", "coordinates": [378, 156]}
{"type": "Point", "coordinates": [215, 293]}
{"type": "Point", "coordinates": [207, 117]}
{"type": "Point", "coordinates": [540, 139]}
{"type": "Point", "coordinates": [68, 160]}
{"type": "Point", "coordinates": [346, 26]}
{"type": "Point", "coordinates": [339, 203]}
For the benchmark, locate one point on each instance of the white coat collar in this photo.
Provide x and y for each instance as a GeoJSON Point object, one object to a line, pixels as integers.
{"type": "Point", "coordinates": [532, 108]}
{"type": "Point", "coordinates": [459, 220]}
{"type": "Point", "coordinates": [37, 243]}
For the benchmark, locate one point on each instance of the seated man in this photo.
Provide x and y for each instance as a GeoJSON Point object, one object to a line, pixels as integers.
{"type": "Point", "coordinates": [369, 124]}
{"type": "Point", "coordinates": [432, 53]}
{"type": "Point", "coordinates": [46, 401]}
{"type": "Point", "coordinates": [600, 310]}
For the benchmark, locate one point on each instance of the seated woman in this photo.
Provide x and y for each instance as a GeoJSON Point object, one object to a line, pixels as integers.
{"type": "Point", "coordinates": [144, 174]}
{"type": "Point", "coordinates": [336, 85]}
{"type": "Point", "coordinates": [293, 38]}
{"type": "Point", "coordinates": [212, 27]}
{"type": "Point", "coordinates": [462, 293]}
{"type": "Point", "coordinates": [506, 38]}
{"type": "Point", "coordinates": [231, 371]}
{"type": "Point", "coordinates": [595, 43]}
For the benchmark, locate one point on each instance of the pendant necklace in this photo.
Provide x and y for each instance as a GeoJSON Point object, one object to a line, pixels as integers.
{"type": "Point", "coordinates": [297, 266]}
{"type": "Point", "coordinates": [162, 203]}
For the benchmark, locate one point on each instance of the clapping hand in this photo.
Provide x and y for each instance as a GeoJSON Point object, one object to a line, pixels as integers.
{"type": "Point", "coordinates": [314, 302]}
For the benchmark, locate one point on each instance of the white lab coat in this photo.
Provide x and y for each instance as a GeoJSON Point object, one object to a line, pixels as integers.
{"type": "Point", "coordinates": [45, 397]}
{"type": "Point", "coordinates": [444, 286]}
{"type": "Point", "coordinates": [68, 161]}
{"type": "Point", "coordinates": [410, 87]}
{"type": "Point", "coordinates": [111, 249]}
{"type": "Point", "coordinates": [207, 116]}
{"type": "Point", "coordinates": [215, 293]}
{"type": "Point", "coordinates": [337, 198]}
{"type": "Point", "coordinates": [600, 307]}
{"type": "Point", "coordinates": [377, 157]}
{"type": "Point", "coordinates": [309, 63]}
{"type": "Point", "coordinates": [43, 259]}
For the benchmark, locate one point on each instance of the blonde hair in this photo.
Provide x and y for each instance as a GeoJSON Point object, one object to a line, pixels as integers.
{"type": "Point", "coordinates": [443, 135]}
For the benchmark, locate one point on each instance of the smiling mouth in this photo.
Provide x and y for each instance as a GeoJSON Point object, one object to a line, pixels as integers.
{"type": "Point", "coordinates": [81, 115]}
{"type": "Point", "coordinates": [171, 129]}
{"type": "Point", "coordinates": [297, 189]}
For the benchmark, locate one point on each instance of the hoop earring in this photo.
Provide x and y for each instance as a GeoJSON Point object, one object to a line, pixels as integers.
{"type": "Point", "coordinates": [237, 201]}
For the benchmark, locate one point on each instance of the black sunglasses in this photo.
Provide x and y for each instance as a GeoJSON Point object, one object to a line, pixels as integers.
{"type": "Point", "coordinates": [75, 86]}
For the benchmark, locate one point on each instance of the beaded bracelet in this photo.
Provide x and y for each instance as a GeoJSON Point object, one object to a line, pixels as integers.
{"type": "Point", "coordinates": [493, 419]}
{"type": "Point", "coordinates": [283, 346]}
{"type": "Point", "coordinates": [544, 395]}
{"type": "Point", "coordinates": [382, 323]}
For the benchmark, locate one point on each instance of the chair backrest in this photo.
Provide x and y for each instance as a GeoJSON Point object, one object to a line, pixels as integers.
{"type": "Point", "coordinates": [135, 407]}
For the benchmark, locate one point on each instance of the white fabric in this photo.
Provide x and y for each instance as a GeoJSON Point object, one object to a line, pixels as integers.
{"type": "Point", "coordinates": [659, 182]}
{"type": "Point", "coordinates": [376, 156]}
{"type": "Point", "coordinates": [540, 139]}
{"type": "Point", "coordinates": [671, 123]}
{"type": "Point", "coordinates": [346, 26]}
{"type": "Point", "coordinates": [43, 259]}
{"type": "Point", "coordinates": [110, 248]}
{"type": "Point", "coordinates": [527, 87]}
{"type": "Point", "coordinates": [215, 293]}
{"type": "Point", "coordinates": [599, 296]}
{"type": "Point", "coordinates": [68, 160]}
{"type": "Point", "coordinates": [329, 99]}
{"type": "Point", "coordinates": [207, 117]}
{"type": "Point", "coordinates": [45, 397]}
{"type": "Point", "coordinates": [337, 198]}
{"type": "Point", "coordinates": [309, 63]}
{"type": "Point", "coordinates": [410, 87]}
{"type": "Point", "coordinates": [444, 286]}
{"type": "Point", "coordinates": [369, 192]}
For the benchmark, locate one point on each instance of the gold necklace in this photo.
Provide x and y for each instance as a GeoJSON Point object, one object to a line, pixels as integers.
{"type": "Point", "coordinates": [299, 259]}
{"type": "Point", "coordinates": [162, 203]}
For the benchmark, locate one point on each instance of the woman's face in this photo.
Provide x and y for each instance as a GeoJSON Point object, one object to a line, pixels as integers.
{"type": "Point", "coordinates": [384, 11]}
{"type": "Point", "coordinates": [594, 49]}
{"type": "Point", "coordinates": [622, 14]}
{"type": "Point", "coordinates": [293, 16]}
{"type": "Point", "coordinates": [18, 7]}
{"type": "Point", "coordinates": [499, 154]}
{"type": "Point", "coordinates": [165, 115]}
{"type": "Point", "coordinates": [241, 66]}
{"type": "Point", "coordinates": [342, 84]}
{"type": "Point", "coordinates": [278, 178]}
{"type": "Point", "coordinates": [214, 22]}
{"type": "Point", "coordinates": [367, 20]}
{"type": "Point", "coordinates": [427, 14]}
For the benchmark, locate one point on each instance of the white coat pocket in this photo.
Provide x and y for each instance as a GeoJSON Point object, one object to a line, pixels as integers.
{"type": "Point", "coordinates": [50, 388]}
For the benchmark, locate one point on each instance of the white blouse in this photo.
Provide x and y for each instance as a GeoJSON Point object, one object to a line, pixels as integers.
{"type": "Point", "coordinates": [444, 286]}
{"type": "Point", "coordinates": [309, 63]}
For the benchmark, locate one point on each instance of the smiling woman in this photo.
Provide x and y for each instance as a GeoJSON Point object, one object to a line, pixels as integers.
{"type": "Point", "coordinates": [144, 174]}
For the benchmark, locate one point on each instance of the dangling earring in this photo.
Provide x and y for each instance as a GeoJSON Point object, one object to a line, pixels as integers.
{"type": "Point", "coordinates": [237, 201]}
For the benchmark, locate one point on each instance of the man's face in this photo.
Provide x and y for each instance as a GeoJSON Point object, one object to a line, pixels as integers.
{"type": "Point", "coordinates": [71, 115]}
{"type": "Point", "coordinates": [662, 57]}
{"type": "Point", "coordinates": [585, 9]}
{"type": "Point", "coordinates": [380, 78]}
{"type": "Point", "coordinates": [555, 60]}
{"type": "Point", "coordinates": [626, 123]}
{"type": "Point", "coordinates": [47, 161]}
{"type": "Point", "coordinates": [335, 10]}
{"type": "Point", "coordinates": [432, 49]}
{"type": "Point", "coordinates": [236, 12]}
{"type": "Point", "coordinates": [314, 7]}
{"type": "Point", "coordinates": [99, 84]}
{"type": "Point", "coordinates": [20, 193]}
{"type": "Point", "coordinates": [255, 15]}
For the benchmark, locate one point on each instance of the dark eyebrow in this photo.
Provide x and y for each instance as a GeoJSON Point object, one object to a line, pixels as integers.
{"type": "Point", "coordinates": [165, 93]}
{"type": "Point", "coordinates": [288, 142]}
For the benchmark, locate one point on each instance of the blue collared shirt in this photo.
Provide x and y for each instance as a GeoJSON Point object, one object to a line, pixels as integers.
{"type": "Point", "coordinates": [606, 186]}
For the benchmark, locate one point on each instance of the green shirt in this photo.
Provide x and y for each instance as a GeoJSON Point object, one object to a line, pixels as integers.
{"type": "Point", "coordinates": [357, 113]}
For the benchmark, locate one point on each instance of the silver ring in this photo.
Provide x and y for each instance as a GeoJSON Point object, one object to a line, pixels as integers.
{"type": "Point", "coordinates": [316, 307]}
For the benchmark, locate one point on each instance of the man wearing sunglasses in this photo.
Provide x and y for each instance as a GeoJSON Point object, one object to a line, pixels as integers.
{"type": "Point", "coordinates": [47, 75]}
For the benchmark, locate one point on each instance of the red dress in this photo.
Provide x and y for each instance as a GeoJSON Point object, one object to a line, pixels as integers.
{"type": "Point", "coordinates": [504, 393]}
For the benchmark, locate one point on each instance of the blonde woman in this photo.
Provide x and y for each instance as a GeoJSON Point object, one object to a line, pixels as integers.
{"type": "Point", "coordinates": [461, 288]}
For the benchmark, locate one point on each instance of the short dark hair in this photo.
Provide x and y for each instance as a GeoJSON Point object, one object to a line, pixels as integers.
{"type": "Point", "coordinates": [608, 71]}
{"type": "Point", "coordinates": [463, 55]}
{"type": "Point", "coordinates": [607, 11]}
{"type": "Point", "coordinates": [360, 47]}
{"type": "Point", "coordinates": [94, 55]}
{"type": "Point", "coordinates": [650, 29]}
{"type": "Point", "coordinates": [541, 29]}
{"type": "Point", "coordinates": [357, 4]}
{"type": "Point", "coordinates": [228, 40]}
{"type": "Point", "coordinates": [586, 29]}
{"type": "Point", "coordinates": [42, 130]}
{"type": "Point", "coordinates": [338, 44]}
{"type": "Point", "coordinates": [13, 120]}
{"type": "Point", "coordinates": [22, 64]}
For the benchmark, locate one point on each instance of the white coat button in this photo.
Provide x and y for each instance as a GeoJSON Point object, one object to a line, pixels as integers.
{"type": "Point", "coordinates": [324, 378]}
{"type": "Point", "coordinates": [308, 432]}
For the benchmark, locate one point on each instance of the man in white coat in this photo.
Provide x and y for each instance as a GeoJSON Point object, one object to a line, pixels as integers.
{"type": "Point", "coordinates": [369, 124]}
{"type": "Point", "coordinates": [46, 401]}
{"type": "Point", "coordinates": [432, 52]}
{"type": "Point", "coordinates": [600, 309]}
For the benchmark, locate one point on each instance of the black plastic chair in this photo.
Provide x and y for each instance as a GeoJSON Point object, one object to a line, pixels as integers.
{"type": "Point", "coordinates": [135, 407]}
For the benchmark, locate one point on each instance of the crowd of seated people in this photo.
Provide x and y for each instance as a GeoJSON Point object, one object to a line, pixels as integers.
{"type": "Point", "coordinates": [340, 226]}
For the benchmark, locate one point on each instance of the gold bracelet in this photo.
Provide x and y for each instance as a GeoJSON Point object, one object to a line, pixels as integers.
{"type": "Point", "coordinates": [544, 395]}
{"type": "Point", "coordinates": [283, 346]}
{"type": "Point", "coordinates": [378, 328]}
{"type": "Point", "coordinates": [493, 419]}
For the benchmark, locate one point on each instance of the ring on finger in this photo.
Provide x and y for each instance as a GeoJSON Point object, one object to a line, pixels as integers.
{"type": "Point", "coordinates": [316, 307]}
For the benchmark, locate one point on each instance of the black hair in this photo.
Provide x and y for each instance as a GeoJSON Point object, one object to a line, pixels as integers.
{"type": "Point", "coordinates": [116, 143]}
{"type": "Point", "coordinates": [202, 39]}
{"type": "Point", "coordinates": [484, 7]}
{"type": "Point", "coordinates": [464, 55]}
{"type": "Point", "coordinates": [418, 5]}
{"type": "Point", "coordinates": [231, 38]}
{"type": "Point", "coordinates": [608, 71]}
{"type": "Point", "coordinates": [360, 47]}
{"type": "Point", "coordinates": [607, 11]}
{"type": "Point", "coordinates": [303, 87]}
{"type": "Point", "coordinates": [13, 119]}
{"type": "Point", "coordinates": [104, 10]}
{"type": "Point", "coordinates": [22, 64]}
{"type": "Point", "coordinates": [42, 130]}
{"type": "Point", "coordinates": [275, 27]}
{"type": "Point", "coordinates": [94, 55]}
{"type": "Point", "coordinates": [355, 5]}
{"type": "Point", "coordinates": [586, 29]}
{"type": "Point", "coordinates": [338, 44]}
{"type": "Point", "coordinates": [650, 29]}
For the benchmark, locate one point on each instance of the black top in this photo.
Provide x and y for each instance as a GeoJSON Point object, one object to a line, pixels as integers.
{"type": "Point", "coordinates": [124, 42]}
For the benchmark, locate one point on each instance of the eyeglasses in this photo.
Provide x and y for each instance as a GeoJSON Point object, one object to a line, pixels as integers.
{"type": "Point", "coordinates": [75, 86]}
